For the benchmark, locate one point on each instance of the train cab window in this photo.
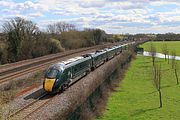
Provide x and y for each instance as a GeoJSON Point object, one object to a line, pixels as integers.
{"type": "Point", "coordinates": [52, 73]}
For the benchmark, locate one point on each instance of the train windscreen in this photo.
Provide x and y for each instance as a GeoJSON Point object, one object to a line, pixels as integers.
{"type": "Point", "coordinates": [52, 73]}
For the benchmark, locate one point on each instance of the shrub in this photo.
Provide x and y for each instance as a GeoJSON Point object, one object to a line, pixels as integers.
{"type": "Point", "coordinates": [54, 46]}
{"type": "Point", "coordinates": [73, 40]}
{"type": "Point", "coordinates": [3, 53]}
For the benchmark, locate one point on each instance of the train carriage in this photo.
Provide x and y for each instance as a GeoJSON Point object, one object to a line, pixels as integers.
{"type": "Point", "coordinates": [98, 58]}
{"type": "Point", "coordinates": [81, 66]}
{"type": "Point", "coordinates": [110, 52]}
{"type": "Point", "coordinates": [124, 47]}
{"type": "Point", "coordinates": [60, 75]}
{"type": "Point", "coordinates": [118, 49]}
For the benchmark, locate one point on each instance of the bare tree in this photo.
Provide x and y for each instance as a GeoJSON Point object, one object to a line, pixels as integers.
{"type": "Point", "coordinates": [175, 66]}
{"type": "Point", "coordinates": [59, 27]}
{"type": "Point", "coordinates": [165, 50]}
{"type": "Point", "coordinates": [173, 60]}
{"type": "Point", "coordinates": [63, 26]}
{"type": "Point", "coordinates": [157, 81]}
{"type": "Point", "coordinates": [152, 52]}
{"type": "Point", "coordinates": [168, 56]}
{"type": "Point", "coordinates": [175, 71]}
{"type": "Point", "coordinates": [51, 28]}
{"type": "Point", "coordinates": [97, 35]}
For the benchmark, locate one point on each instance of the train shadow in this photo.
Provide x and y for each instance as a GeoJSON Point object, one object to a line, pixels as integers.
{"type": "Point", "coordinates": [37, 94]}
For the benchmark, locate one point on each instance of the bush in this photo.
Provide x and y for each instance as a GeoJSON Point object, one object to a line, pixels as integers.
{"type": "Point", "coordinates": [40, 49]}
{"type": "Point", "coordinates": [73, 39]}
{"type": "Point", "coordinates": [3, 53]}
{"type": "Point", "coordinates": [54, 46]}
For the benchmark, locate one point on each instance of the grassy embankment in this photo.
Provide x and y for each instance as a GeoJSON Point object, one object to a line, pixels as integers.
{"type": "Point", "coordinates": [172, 45]}
{"type": "Point", "coordinates": [137, 98]}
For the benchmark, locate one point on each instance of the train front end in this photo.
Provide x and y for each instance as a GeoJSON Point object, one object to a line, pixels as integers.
{"type": "Point", "coordinates": [52, 80]}
{"type": "Point", "coordinates": [49, 84]}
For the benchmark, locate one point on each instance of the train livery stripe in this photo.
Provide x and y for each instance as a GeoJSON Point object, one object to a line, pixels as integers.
{"type": "Point", "coordinates": [48, 84]}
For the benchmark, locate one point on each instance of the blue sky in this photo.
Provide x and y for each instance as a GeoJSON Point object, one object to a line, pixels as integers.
{"type": "Point", "coordinates": [113, 16]}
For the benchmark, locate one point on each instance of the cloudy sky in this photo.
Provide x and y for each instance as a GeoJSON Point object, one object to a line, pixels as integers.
{"type": "Point", "coordinates": [114, 16]}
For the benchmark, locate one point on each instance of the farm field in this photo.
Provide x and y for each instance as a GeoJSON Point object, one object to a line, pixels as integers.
{"type": "Point", "coordinates": [172, 45]}
{"type": "Point", "coordinates": [137, 99]}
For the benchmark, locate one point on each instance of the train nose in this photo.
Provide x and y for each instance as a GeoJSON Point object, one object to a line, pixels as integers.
{"type": "Point", "coordinates": [48, 84]}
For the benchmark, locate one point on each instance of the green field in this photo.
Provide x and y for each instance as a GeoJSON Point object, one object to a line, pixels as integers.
{"type": "Point", "coordinates": [172, 45]}
{"type": "Point", "coordinates": [136, 97]}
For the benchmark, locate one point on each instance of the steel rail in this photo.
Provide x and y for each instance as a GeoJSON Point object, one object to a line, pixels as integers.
{"type": "Point", "coordinates": [27, 111]}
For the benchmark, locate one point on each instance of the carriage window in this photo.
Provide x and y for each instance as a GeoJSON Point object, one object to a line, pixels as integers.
{"type": "Point", "coordinates": [52, 73]}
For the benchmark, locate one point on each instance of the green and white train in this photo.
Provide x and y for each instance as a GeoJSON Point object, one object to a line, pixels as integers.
{"type": "Point", "coordinates": [60, 75]}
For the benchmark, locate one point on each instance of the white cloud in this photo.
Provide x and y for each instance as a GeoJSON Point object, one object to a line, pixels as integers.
{"type": "Point", "coordinates": [9, 11]}
{"type": "Point", "coordinates": [38, 14]}
{"type": "Point", "coordinates": [26, 5]}
{"type": "Point", "coordinates": [111, 15]}
{"type": "Point", "coordinates": [6, 3]}
{"type": "Point", "coordinates": [164, 2]}
{"type": "Point", "coordinates": [92, 3]}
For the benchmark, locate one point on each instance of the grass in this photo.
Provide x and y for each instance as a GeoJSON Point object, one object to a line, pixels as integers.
{"type": "Point", "coordinates": [172, 45]}
{"type": "Point", "coordinates": [137, 98]}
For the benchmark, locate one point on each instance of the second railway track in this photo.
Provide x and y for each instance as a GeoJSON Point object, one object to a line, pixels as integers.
{"type": "Point", "coordinates": [32, 107]}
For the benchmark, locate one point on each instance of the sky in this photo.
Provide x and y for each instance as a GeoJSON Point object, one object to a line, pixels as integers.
{"type": "Point", "coordinates": [113, 16]}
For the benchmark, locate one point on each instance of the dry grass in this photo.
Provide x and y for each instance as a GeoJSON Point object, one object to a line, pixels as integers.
{"type": "Point", "coordinates": [9, 90]}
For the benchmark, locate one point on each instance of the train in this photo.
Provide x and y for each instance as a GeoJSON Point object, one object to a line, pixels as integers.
{"type": "Point", "coordinates": [60, 76]}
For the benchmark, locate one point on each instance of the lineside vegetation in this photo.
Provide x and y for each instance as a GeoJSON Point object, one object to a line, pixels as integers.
{"type": "Point", "coordinates": [136, 98]}
{"type": "Point", "coordinates": [22, 39]}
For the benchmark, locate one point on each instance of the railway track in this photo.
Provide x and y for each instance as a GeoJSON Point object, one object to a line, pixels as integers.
{"type": "Point", "coordinates": [16, 71]}
{"type": "Point", "coordinates": [27, 110]}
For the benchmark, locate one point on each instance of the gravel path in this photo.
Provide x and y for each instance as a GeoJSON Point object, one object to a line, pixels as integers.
{"type": "Point", "coordinates": [23, 100]}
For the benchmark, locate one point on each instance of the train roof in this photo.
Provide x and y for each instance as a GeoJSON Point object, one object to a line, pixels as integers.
{"type": "Point", "coordinates": [110, 48]}
{"type": "Point", "coordinates": [58, 66]}
{"type": "Point", "coordinates": [98, 51]}
{"type": "Point", "coordinates": [61, 65]}
{"type": "Point", "coordinates": [72, 60]}
{"type": "Point", "coordinates": [124, 45]}
{"type": "Point", "coordinates": [77, 61]}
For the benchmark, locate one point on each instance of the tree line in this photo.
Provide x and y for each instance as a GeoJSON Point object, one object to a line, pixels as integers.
{"type": "Point", "coordinates": [168, 37]}
{"type": "Point", "coordinates": [22, 39]}
{"type": "Point", "coordinates": [152, 37]}
{"type": "Point", "coordinates": [164, 37]}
